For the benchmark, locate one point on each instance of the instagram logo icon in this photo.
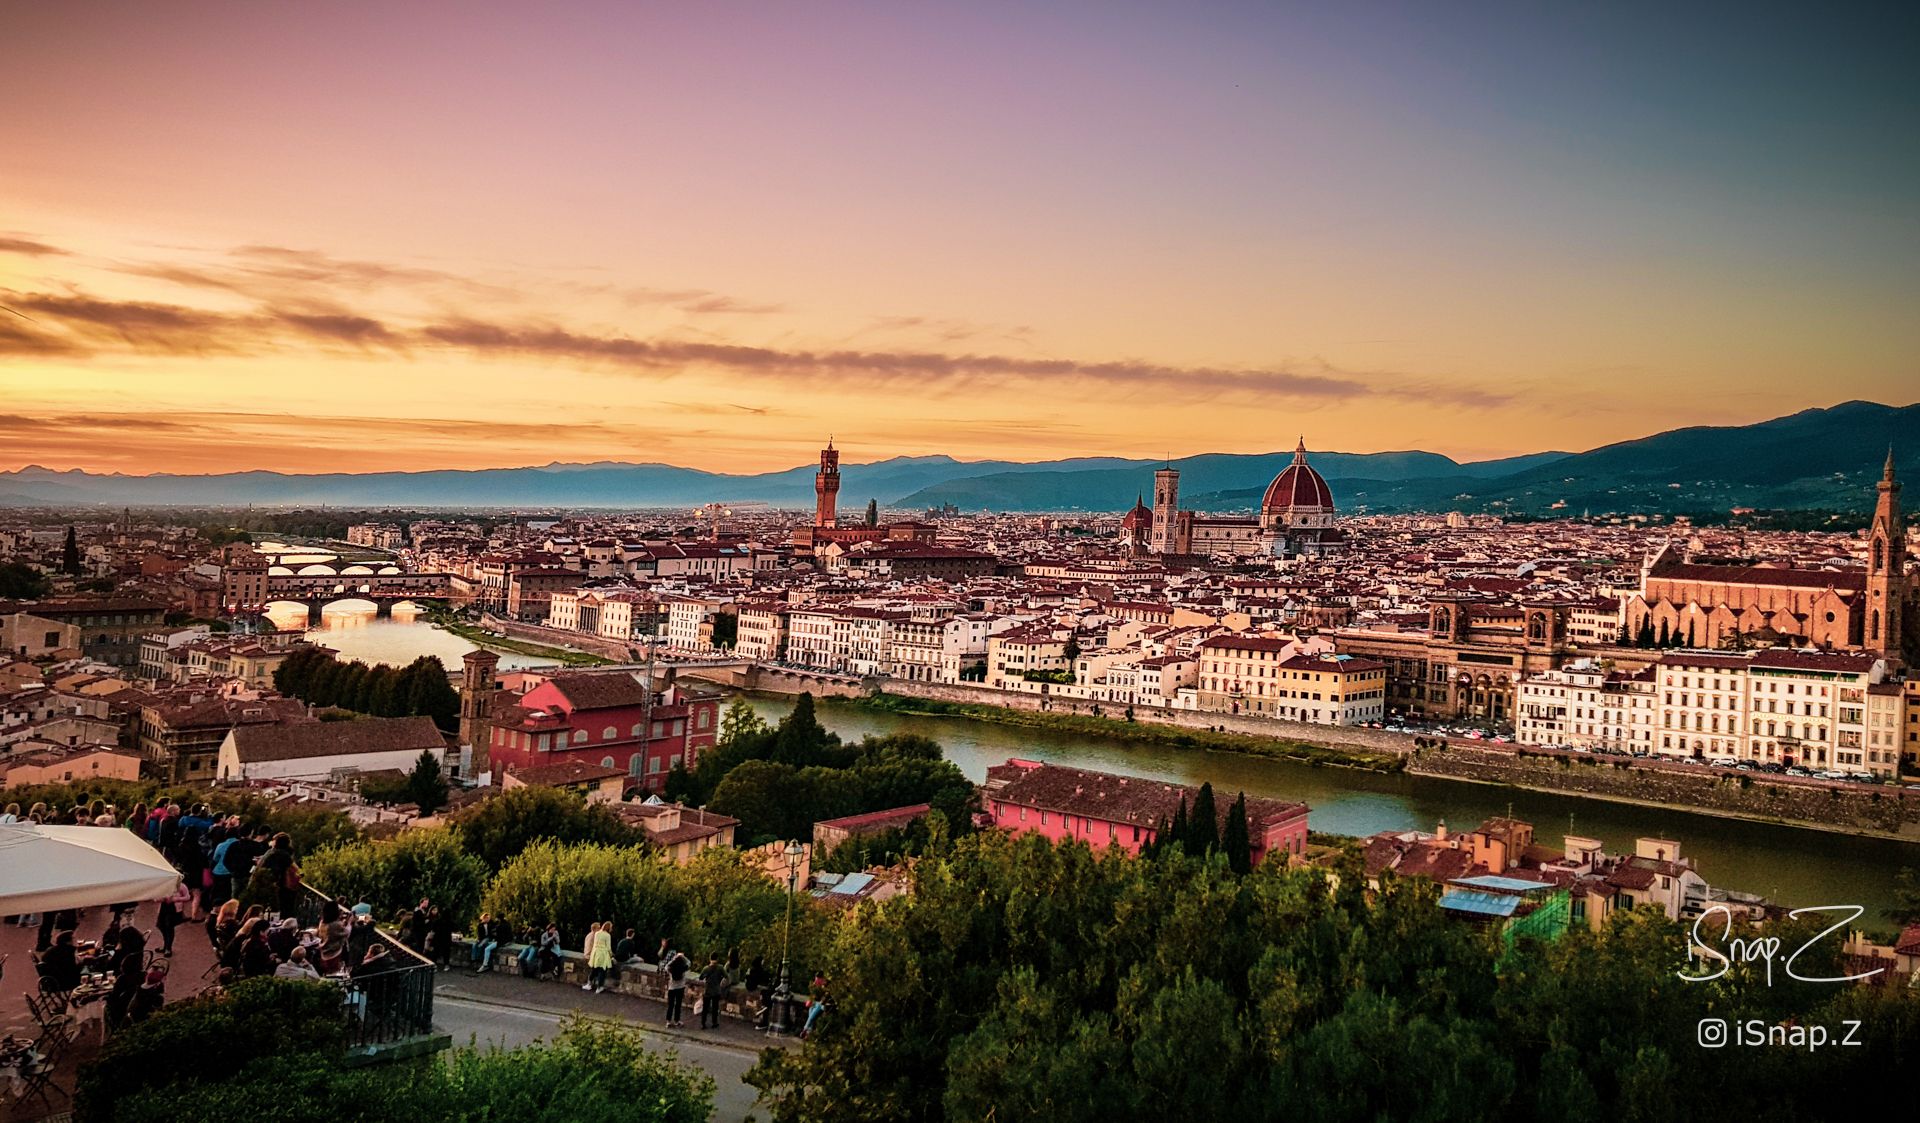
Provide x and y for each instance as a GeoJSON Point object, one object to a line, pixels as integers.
{"type": "Point", "coordinates": [1712, 1033]}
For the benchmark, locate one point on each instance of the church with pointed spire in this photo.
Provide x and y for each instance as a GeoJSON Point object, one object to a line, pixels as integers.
{"type": "Point", "coordinates": [1696, 603]}
{"type": "Point", "coordinates": [1887, 589]}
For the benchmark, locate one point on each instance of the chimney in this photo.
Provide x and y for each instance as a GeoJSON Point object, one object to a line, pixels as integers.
{"type": "Point", "coordinates": [1440, 832]}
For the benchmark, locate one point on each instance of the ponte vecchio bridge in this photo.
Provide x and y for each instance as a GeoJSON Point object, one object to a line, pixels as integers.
{"type": "Point", "coordinates": [318, 590]}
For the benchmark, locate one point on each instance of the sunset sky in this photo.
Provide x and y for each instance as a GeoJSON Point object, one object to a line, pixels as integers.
{"type": "Point", "coordinates": [410, 235]}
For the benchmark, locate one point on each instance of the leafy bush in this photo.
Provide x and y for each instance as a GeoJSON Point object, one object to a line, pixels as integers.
{"type": "Point", "coordinates": [503, 826]}
{"type": "Point", "coordinates": [394, 875]}
{"type": "Point", "coordinates": [208, 1040]}
{"type": "Point", "coordinates": [593, 1072]}
{"type": "Point", "coordinates": [577, 885]}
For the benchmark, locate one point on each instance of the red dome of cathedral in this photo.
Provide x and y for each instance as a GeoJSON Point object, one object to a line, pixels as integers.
{"type": "Point", "coordinates": [1139, 518]}
{"type": "Point", "coordinates": [1297, 487]}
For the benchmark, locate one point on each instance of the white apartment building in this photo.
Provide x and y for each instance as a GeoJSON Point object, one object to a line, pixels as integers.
{"type": "Point", "coordinates": [1160, 678]}
{"type": "Point", "coordinates": [810, 639]}
{"type": "Point", "coordinates": [863, 639]}
{"type": "Point", "coordinates": [1107, 674]}
{"type": "Point", "coordinates": [763, 631]}
{"type": "Point", "coordinates": [690, 622]}
{"type": "Point", "coordinates": [1585, 705]}
{"type": "Point", "coordinates": [1807, 708]}
{"type": "Point", "coordinates": [1011, 655]}
{"type": "Point", "coordinates": [938, 650]}
{"type": "Point", "coordinates": [1594, 623]}
{"type": "Point", "coordinates": [625, 615]}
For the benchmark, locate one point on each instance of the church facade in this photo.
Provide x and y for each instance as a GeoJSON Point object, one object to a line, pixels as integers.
{"type": "Point", "coordinates": [1731, 606]}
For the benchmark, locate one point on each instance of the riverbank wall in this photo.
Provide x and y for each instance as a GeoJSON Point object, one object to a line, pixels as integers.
{"type": "Point", "coordinates": [555, 637]}
{"type": "Point", "coordinates": [1850, 808]}
{"type": "Point", "coordinates": [1277, 729]}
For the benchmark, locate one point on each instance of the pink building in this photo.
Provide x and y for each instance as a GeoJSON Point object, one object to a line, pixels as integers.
{"type": "Point", "coordinates": [604, 718]}
{"type": "Point", "coordinates": [1102, 809]}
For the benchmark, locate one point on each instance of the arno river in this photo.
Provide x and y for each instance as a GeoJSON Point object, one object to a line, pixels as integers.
{"type": "Point", "coordinates": [1788, 864]}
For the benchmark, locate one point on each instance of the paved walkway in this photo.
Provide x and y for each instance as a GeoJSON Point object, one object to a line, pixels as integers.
{"type": "Point", "coordinates": [506, 989]}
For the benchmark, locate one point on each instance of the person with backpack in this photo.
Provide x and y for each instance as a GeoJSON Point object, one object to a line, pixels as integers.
{"type": "Point", "coordinates": [223, 874]}
{"type": "Point", "coordinates": [676, 966]}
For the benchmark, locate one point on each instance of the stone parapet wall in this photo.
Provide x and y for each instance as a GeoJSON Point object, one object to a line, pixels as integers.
{"type": "Point", "coordinates": [1752, 795]}
{"type": "Point", "coordinates": [1342, 736]}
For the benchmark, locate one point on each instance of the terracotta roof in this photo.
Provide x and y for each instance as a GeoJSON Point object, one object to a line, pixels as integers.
{"type": "Point", "coordinates": [1124, 799]}
{"type": "Point", "coordinates": [873, 820]}
{"type": "Point", "coordinates": [337, 738]}
{"type": "Point", "coordinates": [562, 773]}
{"type": "Point", "coordinates": [606, 690]}
{"type": "Point", "coordinates": [1760, 575]}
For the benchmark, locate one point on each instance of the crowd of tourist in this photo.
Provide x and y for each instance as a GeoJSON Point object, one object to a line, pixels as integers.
{"type": "Point", "coordinates": [539, 956]}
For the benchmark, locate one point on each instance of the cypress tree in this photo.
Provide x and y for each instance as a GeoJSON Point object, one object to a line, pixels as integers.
{"type": "Point", "coordinates": [1178, 831]}
{"type": "Point", "coordinates": [380, 694]}
{"type": "Point", "coordinates": [1236, 841]}
{"type": "Point", "coordinates": [1646, 631]}
{"type": "Point", "coordinates": [70, 555]}
{"type": "Point", "coordinates": [1203, 826]}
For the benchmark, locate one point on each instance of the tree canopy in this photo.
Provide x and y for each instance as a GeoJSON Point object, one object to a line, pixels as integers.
{"type": "Point", "coordinates": [419, 689]}
{"type": "Point", "coordinates": [1024, 980]}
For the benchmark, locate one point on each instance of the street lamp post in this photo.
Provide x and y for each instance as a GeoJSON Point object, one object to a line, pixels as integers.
{"type": "Point", "coordinates": [783, 994]}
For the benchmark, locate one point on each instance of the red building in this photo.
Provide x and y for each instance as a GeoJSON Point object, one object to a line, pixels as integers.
{"type": "Point", "coordinates": [1102, 809]}
{"type": "Point", "coordinates": [602, 718]}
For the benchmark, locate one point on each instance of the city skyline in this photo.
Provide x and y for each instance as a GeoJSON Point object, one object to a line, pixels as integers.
{"type": "Point", "coordinates": [415, 240]}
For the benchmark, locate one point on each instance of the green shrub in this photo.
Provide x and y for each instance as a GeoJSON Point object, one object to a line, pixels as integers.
{"type": "Point", "coordinates": [394, 875]}
{"type": "Point", "coordinates": [576, 885]}
{"type": "Point", "coordinates": [504, 825]}
{"type": "Point", "coordinates": [208, 1040]}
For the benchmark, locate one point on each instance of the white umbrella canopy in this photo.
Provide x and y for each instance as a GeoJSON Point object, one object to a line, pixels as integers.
{"type": "Point", "coordinates": [47, 868]}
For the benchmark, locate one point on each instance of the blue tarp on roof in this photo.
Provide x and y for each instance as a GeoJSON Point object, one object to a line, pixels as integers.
{"type": "Point", "coordinates": [1478, 903]}
{"type": "Point", "coordinates": [853, 883]}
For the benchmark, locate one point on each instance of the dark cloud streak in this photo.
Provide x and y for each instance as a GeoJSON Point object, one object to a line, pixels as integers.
{"type": "Point", "coordinates": [174, 329]}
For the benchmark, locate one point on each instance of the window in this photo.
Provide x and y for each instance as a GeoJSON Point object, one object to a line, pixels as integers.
{"type": "Point", "coordinates": [606, 762]}
{"type": "Point", "coordinates": [636, 729]}
{"type": "Point", "coordinates": [609, 733]}
{"type": "Point", "coordinates": [705, 716]}
{"type": "Point", "coordinates": [579, 736]}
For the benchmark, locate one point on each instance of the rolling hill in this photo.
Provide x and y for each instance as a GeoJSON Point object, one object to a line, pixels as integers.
{"type": "Point", "coordinates": [1817, 458]}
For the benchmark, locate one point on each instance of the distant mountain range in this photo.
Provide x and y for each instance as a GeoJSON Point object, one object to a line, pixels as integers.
{"type": "Point", "coordinates": [1817, 458]}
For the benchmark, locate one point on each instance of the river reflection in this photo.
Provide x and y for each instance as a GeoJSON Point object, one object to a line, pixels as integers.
{"type": "Point", "coordinates": [1791, 865]}
{"type": "Point", "coordinates": [351, 628]}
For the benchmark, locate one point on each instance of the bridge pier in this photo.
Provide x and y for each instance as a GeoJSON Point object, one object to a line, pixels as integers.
{"type": "Point", "coordinates": [316, 613]}
{"type": "Point", "coordinates": [382, 608]}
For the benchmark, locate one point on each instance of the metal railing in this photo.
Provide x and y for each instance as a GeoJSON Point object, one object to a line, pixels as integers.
{"type": "Point", "coordinates": [386, 1006]}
